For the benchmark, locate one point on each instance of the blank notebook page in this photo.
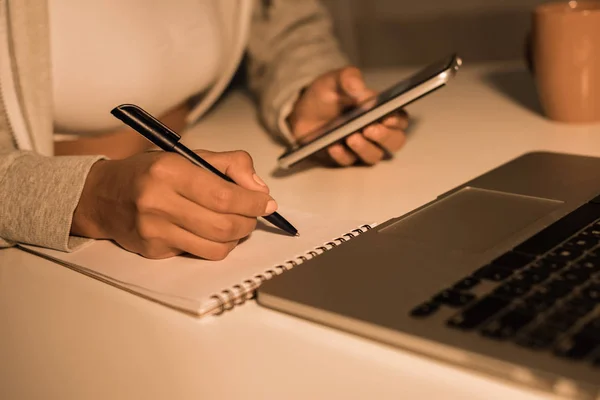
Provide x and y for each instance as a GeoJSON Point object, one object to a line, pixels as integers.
{"type": "Point", "coordinates": [187, 282]}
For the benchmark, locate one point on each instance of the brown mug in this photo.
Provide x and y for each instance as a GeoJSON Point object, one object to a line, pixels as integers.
{"type": "Point", "coordinates": [564, 56]}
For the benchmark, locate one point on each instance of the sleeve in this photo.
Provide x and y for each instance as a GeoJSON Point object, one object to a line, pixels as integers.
{"type": "Point", "coordinates": [38, 196]}
{"type": "Point", "coordinates": [291, 43]}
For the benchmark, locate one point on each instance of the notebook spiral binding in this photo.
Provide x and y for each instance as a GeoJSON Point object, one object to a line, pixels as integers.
{"type": "Point", "coordinates": [239, 294]}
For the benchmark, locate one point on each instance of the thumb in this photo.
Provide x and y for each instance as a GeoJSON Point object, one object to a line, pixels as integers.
{"type": "Point", "coordinates": [237, 165]}
{"type": "Point", "coordinates": [352, 84]}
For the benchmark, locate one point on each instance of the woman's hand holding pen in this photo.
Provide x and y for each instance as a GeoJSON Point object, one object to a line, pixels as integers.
{"type": "Point", "coordinates": [159, 204]}
{"type": "Point", "coordinates": [326, 98]}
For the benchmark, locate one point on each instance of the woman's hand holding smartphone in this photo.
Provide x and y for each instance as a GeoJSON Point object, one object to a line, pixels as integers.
{"type": "Point", "coordinates": [314, 136]}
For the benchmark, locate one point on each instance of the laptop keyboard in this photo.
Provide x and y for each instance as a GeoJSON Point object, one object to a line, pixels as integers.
{"type": "Point", "coordinates": [544, 294]}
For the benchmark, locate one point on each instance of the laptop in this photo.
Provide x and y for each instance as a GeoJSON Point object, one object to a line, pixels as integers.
{"type": "Point", "coordinates": [501, 275]}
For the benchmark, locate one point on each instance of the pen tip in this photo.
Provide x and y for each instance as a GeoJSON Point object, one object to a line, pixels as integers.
{"type": "Point", "coordinates": [297, 234]}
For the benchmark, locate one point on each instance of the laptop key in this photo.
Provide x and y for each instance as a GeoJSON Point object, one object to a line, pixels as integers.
{"type": "Point", "coordinates": [534, 274]}
{"type": "Point", "coordinates": [478, 313]}
{"type": "Point", "coordinates": [583, 268]}
{"type": "Point", "coordinates": [467, 283]}
{"type": "Point", "coordinates": [512, 288]}
{"type": "Point", "coordinates": [550, 264]}
{"type": "Point", "coordinates": [576, 347]}
{"type": "Point", "coordinates": [577, 305]}
{"type": "Point", "coordinates": [561, 320]}
{"type": "Point", "coordinates": [454, 298]}
{"type": "Point", "coordinates": [559, 231]}
{"type": "Point", "coordinates": [525, 278]}
{"type": "Point", "coordinates": [591, 262]}
{"type": "Point", "coordinates": [507, 325]}
{"type": "Point", "coordinates": [492, 273]}
{"type": "Point", "coordinates": [540, 337]}
{"type": "Point", "coordinates": [575, 274]}
{"type": "Point", "coordinates": [564, 253]}
{"type": "Point", "coordinates": [424, 310]}
{"type": "Point", "coordinates": [593, 231]}
{"type": "Point", "coordinates": [555, 288]}
{"type": "Point", "coordinates": [582, 242]}
{"type": "Point", "coordinates": [591, 293]}
{"type": "Point", "coordinates": [538, 302]}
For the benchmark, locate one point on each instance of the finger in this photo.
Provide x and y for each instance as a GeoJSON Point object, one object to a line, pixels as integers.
{"type": "Point", "coordinates": [239, 166]}
{"type": "Point", "coordinates": [351, 82]}
{"type": "Point", "coordinates": [321, 102]}
{"type": "Point", "coordinates": [158, 238]}
{"type": "Point", "coordinates": [210, 191]}
{"type": "Point", "coordinates": [341, 155]}
{"type": "Point", "coordinates": [187, 242]}
{"type": "Point", "coordinates": [368, 152]}
{"type": "Point", "coordinates": [396, 120]}
{"type": "Point", "coordinates": [389, 139]}
{"type": "Point", "coordinates": [206, 223]}
{"type": "Point", "coordinates": [327, 97]}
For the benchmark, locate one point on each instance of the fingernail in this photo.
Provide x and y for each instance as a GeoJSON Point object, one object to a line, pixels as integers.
{"type": "Point", "coordinates": [271, 207]}
{"type": "Point", "coordinates": [258, 180]}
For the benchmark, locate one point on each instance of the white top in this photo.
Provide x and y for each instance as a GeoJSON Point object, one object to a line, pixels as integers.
{"type": "Point", "coordinates": [152, 53]}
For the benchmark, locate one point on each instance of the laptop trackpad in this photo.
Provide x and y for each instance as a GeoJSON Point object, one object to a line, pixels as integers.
{"type": "Point", "coordinates": [472, 219]}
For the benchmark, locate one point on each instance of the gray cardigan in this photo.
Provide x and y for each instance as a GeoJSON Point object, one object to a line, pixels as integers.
{"type": "Point", "coordinates": [288, 43]}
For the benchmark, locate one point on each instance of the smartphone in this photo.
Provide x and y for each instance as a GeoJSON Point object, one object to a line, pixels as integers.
{"type": "Point", "coordinates": [395, 97]}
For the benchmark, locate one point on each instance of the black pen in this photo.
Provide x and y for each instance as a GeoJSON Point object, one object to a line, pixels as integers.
{"type": "Point", "coordinates": [159, 134]}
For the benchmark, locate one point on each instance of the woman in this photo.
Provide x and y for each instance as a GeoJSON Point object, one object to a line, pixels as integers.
{"type": "Point", "coordinates": [65, 64]}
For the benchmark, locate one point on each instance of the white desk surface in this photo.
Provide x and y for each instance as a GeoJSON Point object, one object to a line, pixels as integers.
{"type": "Point", "coordinates": [64, 335]}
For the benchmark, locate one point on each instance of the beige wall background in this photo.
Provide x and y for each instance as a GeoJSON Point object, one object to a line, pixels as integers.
{"type": "Point", "coordinates": [382, 33]}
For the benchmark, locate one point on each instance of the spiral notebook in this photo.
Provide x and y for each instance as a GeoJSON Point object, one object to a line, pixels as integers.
{"type": "Point", "coordinates": [204, 287]}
